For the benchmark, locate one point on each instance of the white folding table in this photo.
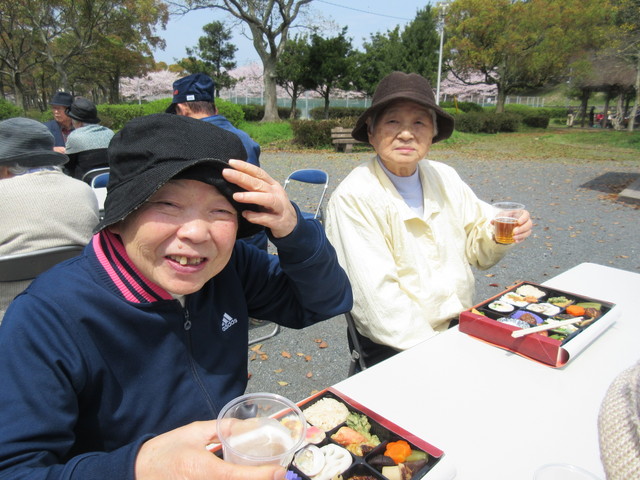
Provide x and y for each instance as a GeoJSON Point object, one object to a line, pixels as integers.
{"type": "Point", "coordinates": [495, 414]}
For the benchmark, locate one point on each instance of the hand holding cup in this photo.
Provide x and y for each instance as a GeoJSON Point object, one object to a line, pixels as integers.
{"type": "Point", "coordinates": [506, 220]}
{"type": "Point", "coordinates": [260, 429]}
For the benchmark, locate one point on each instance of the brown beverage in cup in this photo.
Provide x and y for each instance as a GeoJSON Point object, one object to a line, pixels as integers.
{"type": "Point", "coordinates": [504, 229]}
{"type": "Point", "coordinates": [506, 220]}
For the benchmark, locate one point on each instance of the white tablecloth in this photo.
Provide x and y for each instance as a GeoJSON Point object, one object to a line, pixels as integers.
{"type": "Point", "coordinates": [495, 414]}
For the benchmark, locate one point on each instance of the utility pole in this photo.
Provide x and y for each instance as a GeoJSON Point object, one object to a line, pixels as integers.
{"type": "Point", "coordinates": [442, 10]}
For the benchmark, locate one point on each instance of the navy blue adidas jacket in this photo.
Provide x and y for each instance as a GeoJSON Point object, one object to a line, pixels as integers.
{"type": "Point", "coordinates": [94, 359]}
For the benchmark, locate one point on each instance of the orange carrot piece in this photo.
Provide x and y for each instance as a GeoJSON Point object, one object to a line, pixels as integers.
{"type": "Point", "coordinates": [398, 451]}
{"type": "Point", "coordinates": [575, 310]}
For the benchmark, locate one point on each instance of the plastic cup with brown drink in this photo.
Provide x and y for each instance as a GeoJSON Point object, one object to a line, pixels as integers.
{"type": "Point", "coordinates": [260, 429]}
{"type": "Point", "coordinates": [505, 220]}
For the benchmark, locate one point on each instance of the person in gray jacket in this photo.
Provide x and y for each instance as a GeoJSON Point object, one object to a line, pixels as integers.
{"type": "Point", "coordinates": [40, 207]}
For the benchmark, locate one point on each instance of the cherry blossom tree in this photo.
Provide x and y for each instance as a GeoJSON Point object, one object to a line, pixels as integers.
{"type": "Point", "coordinates": [472, 87]}
{"type": "Point", "coordinates": [152, 86]}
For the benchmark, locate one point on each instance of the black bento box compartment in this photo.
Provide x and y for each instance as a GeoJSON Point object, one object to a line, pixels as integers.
{"type": "Point", "coordinates": [381, 427]}
{"type": "Point", "coordinates": [485, 323]}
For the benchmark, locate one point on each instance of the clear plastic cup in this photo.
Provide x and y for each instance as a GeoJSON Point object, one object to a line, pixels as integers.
{"type": "Point", "coordinates": [505, 220]}
{"type": "Point", "coordinates": [563, 471]}
{"type": "Point", "coordinates": [260, 429]}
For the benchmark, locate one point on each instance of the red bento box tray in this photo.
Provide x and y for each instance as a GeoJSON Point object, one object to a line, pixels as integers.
{"type": "Point", "coordinates": [546, 350]}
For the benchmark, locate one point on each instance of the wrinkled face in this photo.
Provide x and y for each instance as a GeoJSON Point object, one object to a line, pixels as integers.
{"type": "Point", "coordinates": [60, 114]}
{"type": "Point", "coordinates": [401, 136]}
{"type": "Point", "coordinates": [182, 236]}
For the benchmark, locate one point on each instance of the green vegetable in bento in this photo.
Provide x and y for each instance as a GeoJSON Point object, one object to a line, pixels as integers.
{"type": "Point", "coordinates": [360, 423]}
{"type": "Point", "coordinates": [417, 455]}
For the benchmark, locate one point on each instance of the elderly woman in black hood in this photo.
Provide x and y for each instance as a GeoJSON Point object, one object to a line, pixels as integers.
{"type": "Point", "coordinates": [133, 347]}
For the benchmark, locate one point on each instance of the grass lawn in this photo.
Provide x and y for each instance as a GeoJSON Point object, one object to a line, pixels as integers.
{"type": "Point", "coordinates": [553, 143]}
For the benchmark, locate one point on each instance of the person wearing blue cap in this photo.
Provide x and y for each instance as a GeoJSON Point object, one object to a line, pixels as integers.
{"type": "Point", "coordinates": [193, 96]}
{"type": "Point", "coordinates": [61, 125]}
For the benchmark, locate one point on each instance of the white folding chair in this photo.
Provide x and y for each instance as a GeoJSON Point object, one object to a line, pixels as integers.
{"type": "Point", "coordinates": [313, 177]}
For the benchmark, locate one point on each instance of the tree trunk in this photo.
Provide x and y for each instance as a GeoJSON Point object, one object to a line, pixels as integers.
{"type": "Point", "coordinates": [326, 105]}
{"type": "Point", "coordinates": [18, 90]}
{"type": "Point", "coordinates": [605, 111]}
{"type": "Point", "coordinates": [294, 105]}
{"type": "Point", "coordinates": [585, 93]}
{"type": "Point", "coordinates": [634, 109]}
{"type": "Point", "coordinates": [270, 94]}
{"type": "Point", "coordinates": [500, 100]}
{"type": "Point", "coordinates": [114, 89]}
{"type": "Point", "coordinates": [616, 120]}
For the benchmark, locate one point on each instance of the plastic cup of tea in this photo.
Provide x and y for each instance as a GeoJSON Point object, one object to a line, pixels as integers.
{"type": "Point", "coordinates": [505, 220]}
{"type": "Point", "coordinates": [563, 471]}
{"type": "Point", "coordinates": [260, 429]}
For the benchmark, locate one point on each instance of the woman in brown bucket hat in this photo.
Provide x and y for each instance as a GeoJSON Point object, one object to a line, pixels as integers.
{"type": "Point", "coordinates": [408, 229]}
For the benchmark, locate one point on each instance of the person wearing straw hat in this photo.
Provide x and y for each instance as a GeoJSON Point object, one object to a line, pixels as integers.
{"type": "Point", "coordinates": [86, 145]}
{"type": "Point", "coordinates": [61, 125]}
{"type": "Point", "coordinates": [40, 207]}
{"type": "Point", "coordinates": [407, 229]}
{"type": "Point", "coordinates": [119, 374]}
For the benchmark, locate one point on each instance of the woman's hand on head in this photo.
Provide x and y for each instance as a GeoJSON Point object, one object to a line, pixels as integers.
{"type": "Point", "coordinates": [181, 454]}
{"type": "Point", "coordinates": [276, 212]}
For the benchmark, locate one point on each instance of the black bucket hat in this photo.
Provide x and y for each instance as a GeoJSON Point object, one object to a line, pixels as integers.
{"type": "Point", "coordinates": [83, 110]}
{"type": "Point", "coordinates": [404, 86]}
{"type": "Point", "coordinates": [62, 98]}
{"type": "Point", "coordinates": [28, 143]}
{"type": "Point", "coordinates": [149, 151]}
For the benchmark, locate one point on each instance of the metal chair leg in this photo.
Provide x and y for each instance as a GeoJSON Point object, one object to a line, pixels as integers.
{"type": "Point", "coordinates": [273, 333]}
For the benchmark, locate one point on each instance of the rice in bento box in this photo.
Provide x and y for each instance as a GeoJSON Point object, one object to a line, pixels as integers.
{"type": "Point", "coordinates": [326, 413]}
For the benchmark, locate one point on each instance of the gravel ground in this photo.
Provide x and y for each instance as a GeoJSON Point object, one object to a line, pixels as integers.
{"type": "Point", "coordinates": [576, 216]}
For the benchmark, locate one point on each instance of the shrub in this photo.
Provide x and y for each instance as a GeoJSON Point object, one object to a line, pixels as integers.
{"type": "Point", "coordinates": [115, 116]}
{"type": "Point", "coordinates": [336, 112]}
{"type": "Point", "coordinates": [313, 133]}
{"type": "Point", "coordinates": [472, 122]}
{"type": "Point", "coordinates": [540, 120]}
{"type": "Point", "coordinates": [476, 122]}
{"type": "Point", "coordinates": [463, 106]}
{"type": "Point", "coordinates": [8, 110]}
{"type": "Point", "coordinates": [231, 111]}
{"type": "Point", "coordinates": [254, 112]}
{"type": "Point", "coordinates": [509, 122]}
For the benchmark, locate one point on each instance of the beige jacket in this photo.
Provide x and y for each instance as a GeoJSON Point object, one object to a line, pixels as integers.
{"type": "Point", "coordinates": [409, 275]}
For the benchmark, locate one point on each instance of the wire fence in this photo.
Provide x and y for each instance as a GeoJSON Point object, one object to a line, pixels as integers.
{"type": "Point", "coordinates": [307, 103]}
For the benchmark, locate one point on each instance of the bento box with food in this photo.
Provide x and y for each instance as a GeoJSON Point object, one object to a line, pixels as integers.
{"type": "Point", "coordinates": [545, 324]}
{"type": "Point", "coordinates": [347, 441]}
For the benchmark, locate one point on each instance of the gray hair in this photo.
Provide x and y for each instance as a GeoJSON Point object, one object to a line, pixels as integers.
{"type": "Point", "coordinates": [371, 121]}
{"type": "Point", "coordinates": [17, 169]}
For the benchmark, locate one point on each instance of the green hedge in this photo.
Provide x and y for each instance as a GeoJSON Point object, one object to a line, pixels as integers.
{"type": "Point", "coordinates": [254, 112]}
{"type": "Point", "coordinates": [9, 110]}
{"type": "Point", "coordinates": [476, 122]}
{"type": "Point", "coordinates": [463, 106]}
{"type": "Point", "coordinates": [336, 112]}
{"type": "Point", "coordinates": [526, 110]}
{"type": "Point", "coordinates": [317, 133]}
{"type": "Point", "coordinates": [115, 116]}
{"type": "Point", "coordinates": [540, 120]}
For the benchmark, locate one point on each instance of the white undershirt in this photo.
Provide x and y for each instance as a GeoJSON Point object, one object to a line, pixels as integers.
{"type": "Point", "coordinates": [410, 188]}
{"type": "Point", "coordinates": [180, 298]}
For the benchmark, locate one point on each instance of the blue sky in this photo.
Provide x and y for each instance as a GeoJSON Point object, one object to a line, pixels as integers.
{"type": "Point", "coordinates": [362, 17]}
